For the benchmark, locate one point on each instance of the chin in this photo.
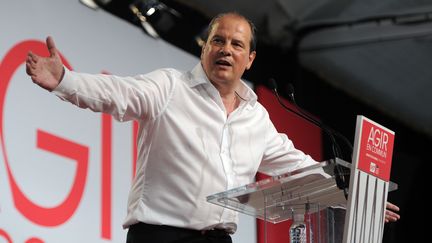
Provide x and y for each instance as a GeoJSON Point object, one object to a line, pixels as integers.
{"type": "Point", "coordinates": [222, 77]}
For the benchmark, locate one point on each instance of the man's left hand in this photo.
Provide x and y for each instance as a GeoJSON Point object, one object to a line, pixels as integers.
{"type": "Point", "coordinates": [390, 214]}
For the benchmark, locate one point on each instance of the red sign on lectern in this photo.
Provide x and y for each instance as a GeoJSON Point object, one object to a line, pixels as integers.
{"type": "Point", "coordinates": [375, 149]}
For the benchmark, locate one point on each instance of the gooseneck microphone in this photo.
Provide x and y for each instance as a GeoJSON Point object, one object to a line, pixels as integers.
{"type": "Point", "coordinates": [318, 123]}
{"type": "Point", "coordinates": [342, 180]}
{"type": "Point", "coordinates": [299, 112]}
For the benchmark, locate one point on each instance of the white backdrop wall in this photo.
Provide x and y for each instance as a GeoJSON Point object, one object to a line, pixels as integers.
{"type": "Point", "coordinates": [65, 172]}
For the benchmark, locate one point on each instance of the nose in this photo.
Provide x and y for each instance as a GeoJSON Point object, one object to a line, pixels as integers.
{"type": "Point", "coordinates": [225, 50]}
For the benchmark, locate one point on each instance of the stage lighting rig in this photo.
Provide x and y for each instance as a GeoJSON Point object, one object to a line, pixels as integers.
{"type": "Point", "coordinates": [155, 17]}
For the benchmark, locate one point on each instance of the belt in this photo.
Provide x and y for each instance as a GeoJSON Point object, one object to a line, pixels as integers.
{"type": "Point", "coordinates": [214, 232]}
{"type": "Point", "coordinates": [208, 232]}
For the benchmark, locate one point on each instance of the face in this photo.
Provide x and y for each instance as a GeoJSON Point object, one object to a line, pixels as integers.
{"type": "Point", "coordinates": [226, 54]}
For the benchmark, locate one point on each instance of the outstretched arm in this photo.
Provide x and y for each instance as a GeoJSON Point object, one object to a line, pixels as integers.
{"type": "Point", "coordinates": [47, 72]}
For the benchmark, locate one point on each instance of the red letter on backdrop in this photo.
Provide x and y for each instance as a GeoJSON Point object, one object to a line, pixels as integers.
{"type": "Point", "coordinates": [49, 142]}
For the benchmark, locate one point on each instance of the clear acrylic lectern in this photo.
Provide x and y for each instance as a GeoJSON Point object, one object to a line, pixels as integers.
{"type": "Point", "coordinates": [313, 191]}
{"type": "Point", "coordinates": [274, 198]}
{"type": "Point", "coordinates": [309, 191]}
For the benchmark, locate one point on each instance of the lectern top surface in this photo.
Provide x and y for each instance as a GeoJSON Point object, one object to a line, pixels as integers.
{"type": "Point", "coordinates": [276, 198]}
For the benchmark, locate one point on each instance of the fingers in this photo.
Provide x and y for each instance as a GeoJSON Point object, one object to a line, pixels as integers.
{"type": "Point", "coordinates": [51, 46]}
{"type": "Point", "coordinates": [31, 63]}
{"type": "Point", "coordinates": [29, 70]}
{"type": "Point", "coordinates": [32, 58]}
{"type": "Point", "coordinates": [391, 216]}
{"type": "Point", "coordinates": [392, 207]}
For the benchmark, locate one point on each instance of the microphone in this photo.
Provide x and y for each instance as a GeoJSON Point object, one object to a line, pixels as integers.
{"type": "Point", "coordinates": [320, 124]}
{"type": "Point", "coordinates": [341, 173]}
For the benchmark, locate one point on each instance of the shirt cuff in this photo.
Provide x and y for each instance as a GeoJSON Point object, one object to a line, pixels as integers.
{"type": "Point", "coordinates": [66, 87]}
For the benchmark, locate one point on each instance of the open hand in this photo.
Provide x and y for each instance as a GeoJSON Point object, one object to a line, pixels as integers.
{"type": "Point", "coordinates": [47, 72]}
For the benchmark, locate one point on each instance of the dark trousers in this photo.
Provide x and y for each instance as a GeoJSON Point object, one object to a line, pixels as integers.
{"type": "Point", "coordinates": [148, 233]}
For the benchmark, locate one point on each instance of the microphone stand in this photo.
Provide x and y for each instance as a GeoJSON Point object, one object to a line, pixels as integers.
{"type": "Point", "coordinates": [317, 122]}
{"type": "Point", "coordinates": [341, 173]}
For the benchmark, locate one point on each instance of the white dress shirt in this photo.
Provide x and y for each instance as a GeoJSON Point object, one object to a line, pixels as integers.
{"type": "Point", "coordinates": [188, 148]}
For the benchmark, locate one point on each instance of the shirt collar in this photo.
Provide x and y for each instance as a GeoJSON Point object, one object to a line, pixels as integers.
{"type": "Point", "coordinates": [197, 76]}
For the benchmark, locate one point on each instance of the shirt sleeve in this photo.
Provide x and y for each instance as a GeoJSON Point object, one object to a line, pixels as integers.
{"type": "Point", "coordinates": [125, 98]}
{"type": "Point", "coordinates": [280, 154]}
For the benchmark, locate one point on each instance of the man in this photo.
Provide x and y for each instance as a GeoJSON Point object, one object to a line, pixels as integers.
{"type": "Point", "coordinates": [201, 132]}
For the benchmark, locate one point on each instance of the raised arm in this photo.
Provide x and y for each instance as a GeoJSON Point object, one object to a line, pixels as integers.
{"type": "Point", "coordinates": [47, 72]}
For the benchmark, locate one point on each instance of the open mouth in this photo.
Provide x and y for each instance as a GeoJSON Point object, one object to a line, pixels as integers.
{"type": "Point", "coordinates": [223, 63]}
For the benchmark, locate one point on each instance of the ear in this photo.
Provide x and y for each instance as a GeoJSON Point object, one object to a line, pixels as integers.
{"type": "Point", "coordinates": [252, 56]}
{"type": "Point", "coordinates": [202, 50]}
